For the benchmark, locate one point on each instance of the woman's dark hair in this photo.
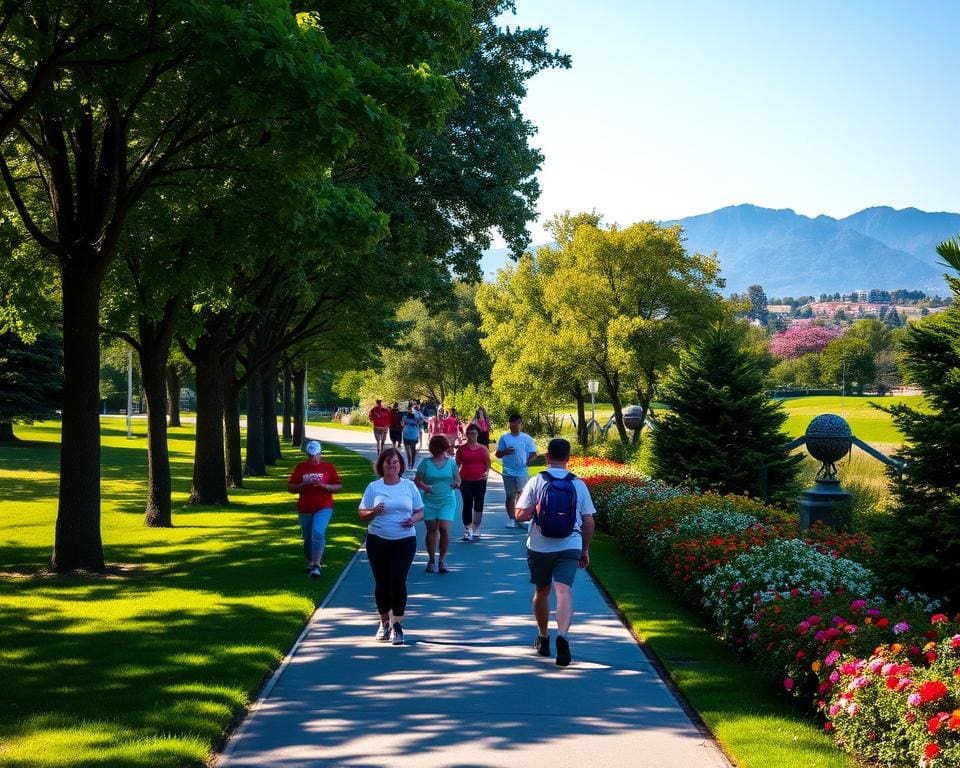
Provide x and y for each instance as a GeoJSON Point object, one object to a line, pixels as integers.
{"type": "Point", "coordinates": [472, 428]}
{"type": "Point", "coordinates": [438, 444]}
{"type": "Point", "coordinates": [384, 455]}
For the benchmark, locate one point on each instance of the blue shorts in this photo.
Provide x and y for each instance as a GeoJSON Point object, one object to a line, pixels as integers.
{"type": "Point", "coordinates": [547, 567]}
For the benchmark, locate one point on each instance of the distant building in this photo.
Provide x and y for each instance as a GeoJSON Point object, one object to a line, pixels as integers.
{"type": "Point", "coordinates": [781, 310]}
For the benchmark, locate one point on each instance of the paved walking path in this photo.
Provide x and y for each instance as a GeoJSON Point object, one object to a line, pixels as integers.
{"type": "Point", "coordinates": [467, 690]}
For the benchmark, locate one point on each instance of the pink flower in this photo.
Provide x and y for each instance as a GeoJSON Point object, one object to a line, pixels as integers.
{"type": "Point", "coordinates": [834, 709]}
{"type": "Point", "coordinates": [914, 700]}
{"type": "Point", "coordinates": [831, 658]}
{"type": "Point", "coordinates": [900, 627]}
{"type": "Point", "coordinates": [834, 677]}
{"type": "Point", "coordinates": [853, 709]}
{"type": "Point", "coordinates": [788, 683]}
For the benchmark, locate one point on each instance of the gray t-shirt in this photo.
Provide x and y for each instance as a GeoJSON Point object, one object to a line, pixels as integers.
{"type": "Point", "coordinates": [399, 503]}
{"type": "Point", "coordinates": [529, 499]}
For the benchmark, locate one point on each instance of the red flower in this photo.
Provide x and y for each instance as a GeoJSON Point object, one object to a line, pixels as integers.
{"type": "Point", "coordinates": [932, 690]}
{"type": "Point", "coordinates": [931, 751]}
{"type": "Point", "coordinates": [934, 723]}
{"type": "Point", "coordinates": [938, 618]}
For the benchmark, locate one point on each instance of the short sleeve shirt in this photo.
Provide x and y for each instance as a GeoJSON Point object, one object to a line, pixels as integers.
{"type": "Point", "coordinates": [313, 499]}
{"type": "Point", "coordinates": [473, 462]}
{"type": "Point", "coordinates": [515, 464]}
{"type": "Point", "coordinates": [399, 502]}
{"type": "Point", "coordinates": [536, 541]}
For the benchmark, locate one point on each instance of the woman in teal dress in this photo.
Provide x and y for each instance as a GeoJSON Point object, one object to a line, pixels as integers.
{"type": "Point", "coordinates": [437, 478]}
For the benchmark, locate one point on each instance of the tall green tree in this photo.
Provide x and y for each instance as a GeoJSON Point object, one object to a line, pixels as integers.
{"type": "Point", "coordinates": [758, 304]}
{"type": "Point", "coordinates": [848, 362]}
{"type": "Point", "coordinates": [31, 381]}
{"type": "Point", "coordinates": [172, 82]}
{"type": "Point", "coordinates": [920, 542]}
{"type": "Point", "coordinates": [721, 431]}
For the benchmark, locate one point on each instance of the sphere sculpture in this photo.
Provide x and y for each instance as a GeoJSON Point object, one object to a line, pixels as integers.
{"type": "Point", "coordinates": [828, 438]}
{"type": "Point", "coordinates": [632, 416]}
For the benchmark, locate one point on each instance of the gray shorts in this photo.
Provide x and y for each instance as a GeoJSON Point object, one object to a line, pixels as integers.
{"type": "Point", "coordinates": [513, 485]}
{"type": "Point", "coordinates": [547, 567]}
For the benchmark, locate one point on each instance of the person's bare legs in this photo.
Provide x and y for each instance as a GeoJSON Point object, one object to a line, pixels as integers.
{"type": "Point", "coordinates": [444, 530]}
{"type": "Point", "coordinates": [564, 607]}
{"type": "Point", "coordinates": [541, 609]}
{"type": "Point", "coordinates": [431, 539]}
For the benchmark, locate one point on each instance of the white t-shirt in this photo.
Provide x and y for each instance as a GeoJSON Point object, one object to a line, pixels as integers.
{"type": "Point", "coordinates": [515, 464]}
{"type": "Point", "coordinates": [529, 499]}
{"type": "Point", "coordinates": [399, 502]}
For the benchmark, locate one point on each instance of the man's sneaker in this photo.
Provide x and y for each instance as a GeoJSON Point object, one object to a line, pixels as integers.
{"type": "Point", "coordinates": [442, 567]}
{"type": "Point", "coordinates": [314, 571]}
{"type": "Point", "coordinates": [397, 638]}
{"type": "Point", "coordinates": [563, 651]}
{"type": "Point", "coordinates": [383, 633]}
{"type": "Point", "coordinates": [467, 536]}
{"type": "Point", "coordinates": [430, 567]}
{"type": "Point", "coordinates": [511, 524]}
{"type": "Point", "coordinates": [542, 644]}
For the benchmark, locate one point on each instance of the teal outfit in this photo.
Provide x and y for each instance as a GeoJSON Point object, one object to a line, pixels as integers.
{"type": "Point", "coordinates": [441, 502]}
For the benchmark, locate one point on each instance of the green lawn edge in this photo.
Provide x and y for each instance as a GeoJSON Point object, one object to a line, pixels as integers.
{"type": "Point", "coordinates": [754, 726]}
{"type": "Point", "coordinates": [152, 665]}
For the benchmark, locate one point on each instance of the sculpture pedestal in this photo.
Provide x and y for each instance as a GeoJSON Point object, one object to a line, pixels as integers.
{"type": "Point", "coordinates": [820, 502]}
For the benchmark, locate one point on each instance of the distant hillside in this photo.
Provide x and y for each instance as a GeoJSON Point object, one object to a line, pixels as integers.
{"type": "Point", "coordinates": [793, 255]}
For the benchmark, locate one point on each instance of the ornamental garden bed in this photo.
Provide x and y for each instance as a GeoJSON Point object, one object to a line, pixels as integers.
{"type": "Point", "coordinates": [804, 607]}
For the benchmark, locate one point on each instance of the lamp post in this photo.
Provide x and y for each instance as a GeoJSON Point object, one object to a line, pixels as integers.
{"type": "Point", "coordinates": [129, 394]}
{"type": "Point", "coordinates": [592, 386]}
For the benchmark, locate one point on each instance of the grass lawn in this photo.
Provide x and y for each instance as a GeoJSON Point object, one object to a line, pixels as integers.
{"type": "Point", "coordinates": [146, 667]}
{"type": "Point", "coordinates": [755, 726]}
{"type": "Point", "coordinates": [869, 424]}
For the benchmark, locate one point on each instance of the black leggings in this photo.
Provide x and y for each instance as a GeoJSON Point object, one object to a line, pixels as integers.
{"type": "Point", "coordinates": [390, 561]}
{"type": "Point", "coordinates": [473, 492]}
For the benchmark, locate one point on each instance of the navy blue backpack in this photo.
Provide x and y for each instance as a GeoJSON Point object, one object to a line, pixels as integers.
{"type": "Point", "coordinates": [556, 514]}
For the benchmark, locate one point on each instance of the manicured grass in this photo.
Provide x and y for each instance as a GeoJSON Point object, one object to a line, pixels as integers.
{"type": "Point", "coordinates": [754, 725]}
{"type": "Point", "coordinates": [868, 423]}
{"type": "Point", "coordinates": [337, 425]}
{"type": "Point", "coordinates": [146, 667]}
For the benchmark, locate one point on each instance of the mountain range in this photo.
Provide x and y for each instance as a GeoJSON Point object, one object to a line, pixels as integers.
{"type": "Point", "coordinates": [793, 255]}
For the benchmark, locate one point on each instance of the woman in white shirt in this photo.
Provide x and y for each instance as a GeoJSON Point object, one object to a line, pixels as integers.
{"type": "Point", "coordinates": [391, 506]}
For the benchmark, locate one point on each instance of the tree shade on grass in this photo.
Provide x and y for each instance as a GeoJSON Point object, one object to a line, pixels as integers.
{"type": "Point", "coordinates": [146, 667]}
{"type": "Point", "coordinates": [756, 727]}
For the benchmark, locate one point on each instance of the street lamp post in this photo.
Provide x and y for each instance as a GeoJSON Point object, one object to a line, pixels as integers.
{"type": "Point", "coordinates": [592, 386]}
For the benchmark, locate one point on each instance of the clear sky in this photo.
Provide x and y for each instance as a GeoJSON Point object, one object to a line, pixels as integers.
{"type": "Point", "coordinates": [679, 107]}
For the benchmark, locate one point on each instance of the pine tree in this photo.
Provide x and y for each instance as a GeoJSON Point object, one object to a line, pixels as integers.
{"type": "Point", "coordinates": [722, 429]}
{"type": "Point", "coordinates": [30, 380]}
{"type": "Point", "coordinates": [920, 542]}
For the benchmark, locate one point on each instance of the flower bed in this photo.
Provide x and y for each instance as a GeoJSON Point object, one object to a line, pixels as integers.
{"type": "Point", "coordinates": [802, 606]}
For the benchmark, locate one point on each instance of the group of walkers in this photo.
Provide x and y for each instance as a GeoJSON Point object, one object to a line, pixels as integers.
{"type": "Point", "coordinates": [557, 504]}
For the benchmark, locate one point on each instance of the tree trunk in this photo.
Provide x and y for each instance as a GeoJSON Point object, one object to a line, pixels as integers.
{"type": "Point", "coordinates": [271, 440]}
{"type": "Point", "coordinates": [255, 465]}
{"type": "Point", "coordinates": [299, 390]}
{"type": "Point", "coordinates": [78, 543]}
{"type": "Point", "coordinates": [6, 432]}
{"type": "Point", "coordinates": [173, 396]}
{"type": "Point", "coordinates": [231, 423]}
{"type": "Point", "coordinates": [287, 402]}
{"type": "Point", "coordinates": [209, 475]}
{"type": "Point", "coordinates": [613, 389]}
{"type": "Point", "coordinates": [583, 434]}
{"type": "Point", "coordinates": [154, 351]}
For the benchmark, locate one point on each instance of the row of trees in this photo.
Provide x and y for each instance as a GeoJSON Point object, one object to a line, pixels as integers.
{"type": "Point", "coordinates": [243, 182]}
{"type": "Point", "coordinates": [863, 355]}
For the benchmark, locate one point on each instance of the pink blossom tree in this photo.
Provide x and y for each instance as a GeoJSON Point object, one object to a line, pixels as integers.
{"type": "Point", "coordinates": [800, 340]}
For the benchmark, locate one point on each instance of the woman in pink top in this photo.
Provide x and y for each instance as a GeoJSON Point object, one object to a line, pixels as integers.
{"type": "Point", "coordinates": [483, 424]}
{"type": "Point", "coordinates": [473, 460]}
{"type": "Point", "coordinates": [451, 428]}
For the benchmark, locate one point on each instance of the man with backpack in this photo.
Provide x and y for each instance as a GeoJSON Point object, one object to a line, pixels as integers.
{"type": "Point", "coordinates": [561, 510]}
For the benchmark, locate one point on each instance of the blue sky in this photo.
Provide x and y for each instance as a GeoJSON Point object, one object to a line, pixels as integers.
{"type": "Point", "coordinates": [677, 107]}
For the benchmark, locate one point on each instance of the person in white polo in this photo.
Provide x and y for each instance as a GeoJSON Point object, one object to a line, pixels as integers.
{"type": "Point", "coordinates": [517, 451]}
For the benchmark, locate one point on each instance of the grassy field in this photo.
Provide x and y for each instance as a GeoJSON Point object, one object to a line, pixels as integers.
{"type": "Point", "coordinates": [868, 423]}
{"type": "Point", "coordinates": [146, 667]}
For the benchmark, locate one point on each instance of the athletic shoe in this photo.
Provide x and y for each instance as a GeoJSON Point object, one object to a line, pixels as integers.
{"type": "Point", "coordinates": [397, 637]}
{"type": "Point", "coordinates": [430, 568]}
{"type": "Point", "coordinates": [511, 524]}
{"type": "Point", "coordinates": [476, 536]}
{"type": "Point", "coordinates": [383, 633]}
{"type": "Point", "coordinates": [563, 651]}
{"type": "Point", "coordinates": [542, 644]}
{"type": "Point", "coordinates": [467, 536]}
{"type": "Point", "coordinates": [442, 568]}
{"type": "Point", "coordinates": [315, 572]}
